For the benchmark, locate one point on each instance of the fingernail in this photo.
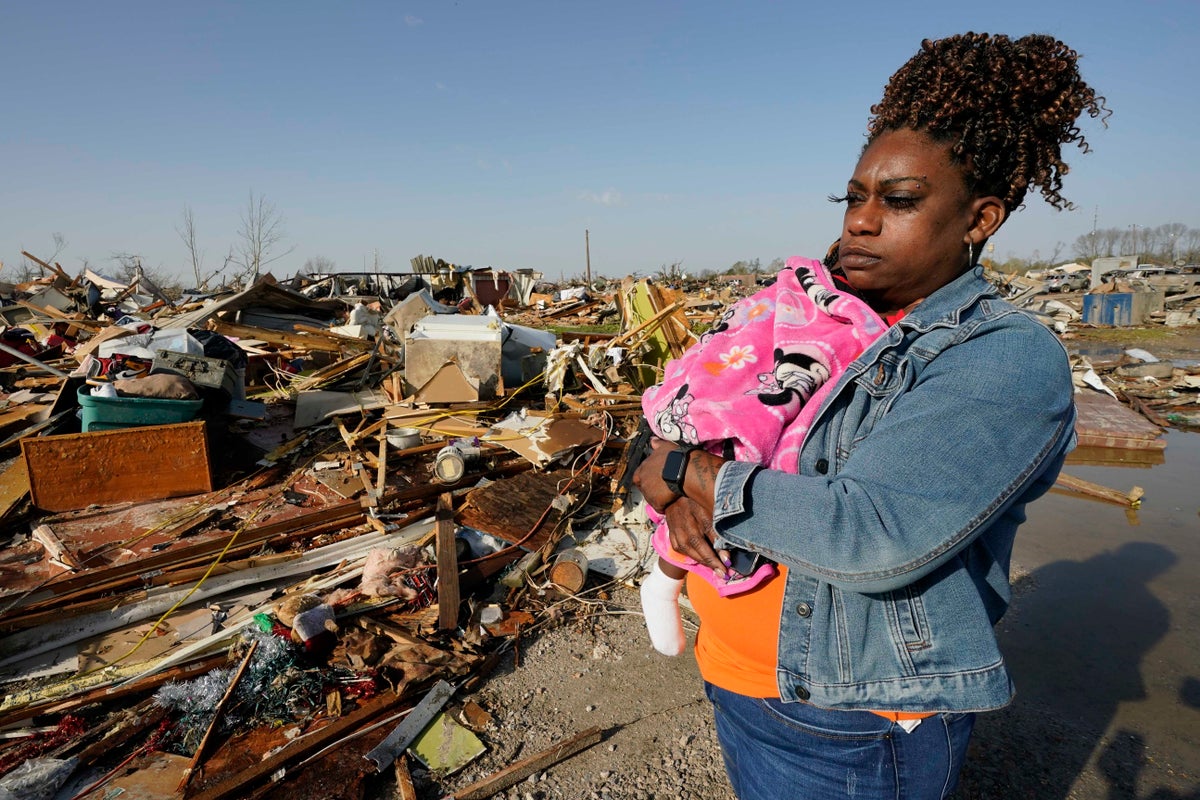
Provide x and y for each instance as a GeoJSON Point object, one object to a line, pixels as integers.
{"type": "Point", "coordinates": [726, 561]}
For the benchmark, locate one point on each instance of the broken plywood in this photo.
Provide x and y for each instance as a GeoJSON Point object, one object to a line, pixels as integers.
{"type": "Point", "coordinates": [155, 462]}
{"type": "Point", "coordinates": [1104, 422]}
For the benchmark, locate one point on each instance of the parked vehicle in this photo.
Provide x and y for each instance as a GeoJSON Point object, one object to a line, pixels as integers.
{"type": "Point", "coordinates": [1067, 281]}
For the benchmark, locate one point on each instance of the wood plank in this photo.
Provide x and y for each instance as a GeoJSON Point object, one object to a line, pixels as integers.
{"type": "Point", "coordinates": [1104, 422]}
{"type": "Point", "coordinates": [238, 785]}
{"type": "Point", "coordinates": [14, 486]}
{"type": "Point", "coordinates": [300, 341]}
{"type": "Point", "coordinates": [447, 564]}
{"type": "Point", "coordinates": [509, 776]}
{"type": "Point", "coordinates": [154, 462]}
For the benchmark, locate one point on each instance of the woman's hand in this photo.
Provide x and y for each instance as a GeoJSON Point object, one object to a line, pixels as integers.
{"type": "Point", "coordinates": [689, 518]}
{"type": "Point", "coordinates": [648, 476]}
{"type": "Point", "coordinates": [691, 530]}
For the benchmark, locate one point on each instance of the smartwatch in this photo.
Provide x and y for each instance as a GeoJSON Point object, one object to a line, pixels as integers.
{"type": "Point", "coordinates": [675, 468]}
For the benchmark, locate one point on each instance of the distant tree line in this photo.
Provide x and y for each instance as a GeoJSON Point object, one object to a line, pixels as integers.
{"type": "Point", "coordinates": [1164, 244]}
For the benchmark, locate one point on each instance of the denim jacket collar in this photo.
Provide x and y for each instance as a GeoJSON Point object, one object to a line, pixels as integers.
{"type": "Point", "coordinates": [947, 304]}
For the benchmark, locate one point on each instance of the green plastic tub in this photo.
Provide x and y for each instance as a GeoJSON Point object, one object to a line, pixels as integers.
{"type": "Point", "coordinates": [109, 413]}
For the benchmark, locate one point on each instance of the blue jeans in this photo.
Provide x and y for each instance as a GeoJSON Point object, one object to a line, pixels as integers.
{"type": "Point", "coordinates": [795, 751]}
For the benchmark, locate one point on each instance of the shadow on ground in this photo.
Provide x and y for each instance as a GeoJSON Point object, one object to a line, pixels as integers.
{"type": "Point", "coordinates": [1075, 640]}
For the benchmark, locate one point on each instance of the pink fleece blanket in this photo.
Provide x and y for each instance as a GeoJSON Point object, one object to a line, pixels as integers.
{"type": "Point", "coordinates": [756, 379]}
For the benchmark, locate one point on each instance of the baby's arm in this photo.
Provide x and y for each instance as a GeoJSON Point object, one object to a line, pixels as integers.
{"type": "Point", "coordinates": [660, 605]}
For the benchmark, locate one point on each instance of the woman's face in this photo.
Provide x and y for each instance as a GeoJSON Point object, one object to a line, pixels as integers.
{"type": "Point", "coordinates": [908, 220]}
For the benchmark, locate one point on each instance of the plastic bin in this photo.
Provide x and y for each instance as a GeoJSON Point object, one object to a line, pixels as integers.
{"type": "Point", "coordinates": [110, 413]}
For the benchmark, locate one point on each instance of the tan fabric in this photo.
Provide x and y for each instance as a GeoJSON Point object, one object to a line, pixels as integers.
{"type": "Point", "coordinates": [161, 386]}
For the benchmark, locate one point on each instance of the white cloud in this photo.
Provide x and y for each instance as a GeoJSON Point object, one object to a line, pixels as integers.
{"type": "Point", "coordinates": [412, 21]}
{"type": "Point", "coordinates": [608, 197]}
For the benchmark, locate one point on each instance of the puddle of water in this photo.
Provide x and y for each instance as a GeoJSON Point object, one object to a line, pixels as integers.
{"type": "Point", "coordinates": [1105, 625]}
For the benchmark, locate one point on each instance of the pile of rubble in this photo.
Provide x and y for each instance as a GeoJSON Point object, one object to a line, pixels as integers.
{"type": "Point", "coordinates": [261, 543]}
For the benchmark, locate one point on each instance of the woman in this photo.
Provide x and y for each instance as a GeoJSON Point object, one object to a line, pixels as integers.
{"type": "Point", "coordinates": [859, 670]}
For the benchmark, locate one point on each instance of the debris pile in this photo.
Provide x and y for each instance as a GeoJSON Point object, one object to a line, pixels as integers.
{"type": "Point", "coordinates": [265, 543]}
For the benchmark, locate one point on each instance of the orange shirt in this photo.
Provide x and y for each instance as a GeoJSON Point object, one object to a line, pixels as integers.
{"type": "Point", "coordinates": [736, 648]}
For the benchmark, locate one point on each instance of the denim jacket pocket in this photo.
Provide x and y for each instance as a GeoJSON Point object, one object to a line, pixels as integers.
{"type": "Point", "coordinates": [877, 388]}
{"type": "Point", "coordinates": [910, 625]}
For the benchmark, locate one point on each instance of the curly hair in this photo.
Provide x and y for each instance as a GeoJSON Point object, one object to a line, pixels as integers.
{"type": "Point", "coordinates": [1006, 107]}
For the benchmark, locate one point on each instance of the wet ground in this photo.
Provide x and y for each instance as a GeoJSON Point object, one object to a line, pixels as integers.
{"type": "Point", "coordinates": [1104, 644]}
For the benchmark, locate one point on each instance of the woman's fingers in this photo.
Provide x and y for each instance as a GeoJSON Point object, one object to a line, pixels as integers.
{"type": "Point", "coordinates": [692, 533]}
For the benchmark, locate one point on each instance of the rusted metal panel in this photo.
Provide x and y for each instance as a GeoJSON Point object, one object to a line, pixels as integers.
{"type": "Point", "coordinates": [132, 464]}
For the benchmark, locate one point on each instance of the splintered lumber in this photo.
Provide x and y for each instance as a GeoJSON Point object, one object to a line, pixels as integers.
{"type": "Point", "coordinates": [333, 338]}
{"type": "Point", "coordinates": [647, 325]}
{"type": "Point", "coordinates": [17, 711]}
{"type": "Point", "coordinates": [14, 486]}
{"type": "Point", "coordinates": [331, 373]}
{"type": "Point", "coordinates": [447, 564]}
{"type": "Point", "coordinates": [238, 785]}
{"type": "Point", "coordinates": [1132, 498]}
{"type": "Point", "coordinates": [1148, 412]}
{"type": "Point", "coordinates": [56, 269]}
{"type": "Point", "coordinates": [327, 343]}
{"type": "Point", "coordinates": [405, 790]}
{"type": "Point", "coordinates": [512, 508]}
{"type": "Point", "coordinates": [55, 547]}
{"type": "Point", "coordinates": [499, 781]}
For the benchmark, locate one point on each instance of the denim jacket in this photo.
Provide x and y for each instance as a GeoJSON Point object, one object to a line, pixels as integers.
{"type": "Point", "coordinates": [898, 529]}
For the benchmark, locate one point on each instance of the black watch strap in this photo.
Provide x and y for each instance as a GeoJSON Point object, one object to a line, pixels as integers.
{"type": "Point", "coordinates": [675, 468]}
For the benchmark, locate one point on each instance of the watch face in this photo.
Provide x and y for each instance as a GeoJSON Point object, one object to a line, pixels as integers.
{"type": "Point", "coordinates": [674, 468]}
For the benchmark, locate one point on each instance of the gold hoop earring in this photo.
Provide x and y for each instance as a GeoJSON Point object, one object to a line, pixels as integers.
{"type": "Point", "coordinates": [970, 254]}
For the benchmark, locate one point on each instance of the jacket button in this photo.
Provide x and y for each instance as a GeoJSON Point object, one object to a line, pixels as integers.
{"type": "Point", "coordinates": [802, 693]}
{"type": "Point", "coordinates": [822, 465]}
{"type": "Point", "coordinates": [803, 609]}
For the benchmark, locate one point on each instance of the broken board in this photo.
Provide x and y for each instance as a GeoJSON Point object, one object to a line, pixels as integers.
{"type": "Point", "coordinates": [151, 462]}
{"type": "Point", "coordinates": [1104, 422]}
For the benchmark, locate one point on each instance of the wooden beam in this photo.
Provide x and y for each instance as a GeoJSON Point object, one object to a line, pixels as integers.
{"type": "Point", "coordinates": [299, 341]}
{"type": "Point", "coordinates": [447, 564]}
{"type": "Point", "coordinates": [237, 786]}
{"type": "Point", "coordinates": [218, 713]}
{"type": "Point", "coordinates": [499, 781]}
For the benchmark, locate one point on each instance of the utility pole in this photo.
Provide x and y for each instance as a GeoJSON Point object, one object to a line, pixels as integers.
{"type": "Point", "coordinates": [587, 251]}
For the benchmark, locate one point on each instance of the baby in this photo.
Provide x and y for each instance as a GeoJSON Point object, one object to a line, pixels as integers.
{"type": "Point", "coordinates": [748, 390]}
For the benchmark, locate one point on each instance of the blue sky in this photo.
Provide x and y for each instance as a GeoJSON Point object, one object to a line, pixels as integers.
{"type": "Point", "coordinates": [495, 133]}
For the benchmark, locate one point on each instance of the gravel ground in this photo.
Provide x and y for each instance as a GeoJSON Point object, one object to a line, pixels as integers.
{"type": "Point", "coordinates": [598, 670]}
{"type": "Point", "coordinates": [659, 742]}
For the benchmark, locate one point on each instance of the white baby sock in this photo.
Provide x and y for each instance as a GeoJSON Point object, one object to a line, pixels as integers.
{"type": "Point", "coordinates": [660, 605]}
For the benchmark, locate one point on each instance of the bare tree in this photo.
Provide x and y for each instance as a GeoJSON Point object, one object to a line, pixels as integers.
{"type": "Point", "coordinates": [29, 270]}
{"type": "Point", "coordinates": [319, 265]}
{"type": "Point", "coordinates": [1109, 240]}
{"type": "Point", "coordinates": [187, 232]}
{"type": "Point", "coordinates": [60, 244]}
{"type": "Point", "coordinates": [261, 234]}
{"type": "Point", "coordinates": [1086, 247]}
{"type": "Point", "coordinates": [671, 273]}
{"type": "Point", "coordinates": [1171, 233]}
{"type": "Point", "coordinates": [1055, 254]}
{"type": "Point", "coordinates": [1189, 245]}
